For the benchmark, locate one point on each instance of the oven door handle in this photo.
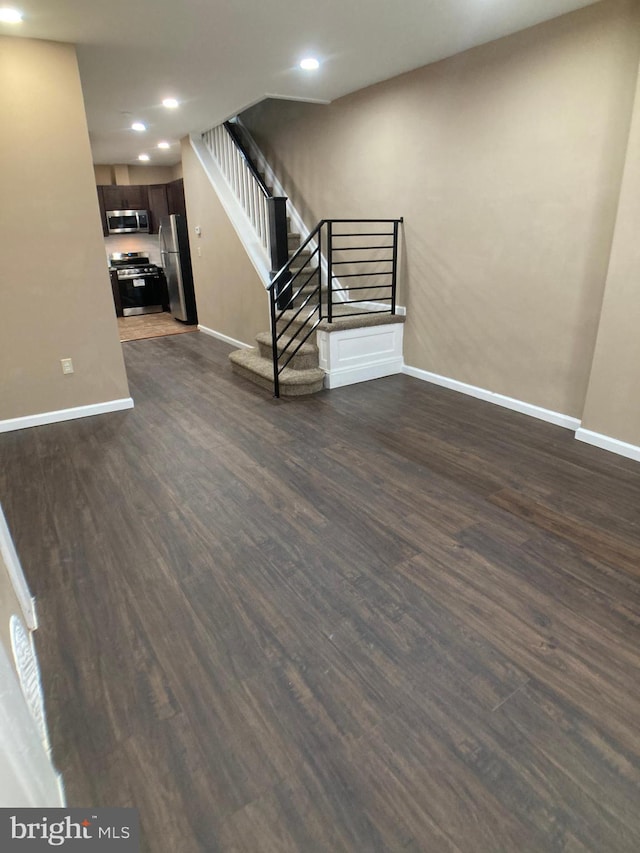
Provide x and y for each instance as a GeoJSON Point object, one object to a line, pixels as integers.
{"type": "Point", "coordinates": [145, 275]}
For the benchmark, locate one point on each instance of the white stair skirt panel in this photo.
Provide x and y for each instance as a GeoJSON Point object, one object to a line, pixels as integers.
{"type": "Point", "coordinates": [356, 355]}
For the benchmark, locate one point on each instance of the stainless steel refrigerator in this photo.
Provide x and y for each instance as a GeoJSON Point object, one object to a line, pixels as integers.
{"type": "Point", "coordinates": [176, 262]}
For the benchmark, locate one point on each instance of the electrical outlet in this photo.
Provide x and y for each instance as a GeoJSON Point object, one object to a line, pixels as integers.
{"type": "Point", "coordinates": [67, 365]}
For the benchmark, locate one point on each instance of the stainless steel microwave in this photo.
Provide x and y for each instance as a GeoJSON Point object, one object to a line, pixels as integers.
{"type": "Point", "coordinates": [127, 221]}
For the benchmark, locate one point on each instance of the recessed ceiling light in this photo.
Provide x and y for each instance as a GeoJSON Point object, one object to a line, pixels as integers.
{"type": "Point", "coordinates": [164, 145]}
{"type": "Point", "coordinates": [10, 16]}
{"type": "Point", "coordinates": [139, 126]}
{"type": "Point", "coordinates": [310, 64]}
{"type": "Point", "coordinates": [143, 157]}
{"type": "Point", "coordinates": [170, 103]}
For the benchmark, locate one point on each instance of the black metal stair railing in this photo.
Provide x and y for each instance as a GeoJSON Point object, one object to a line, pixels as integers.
{"type": "Point", "coordinates": [307, 288]}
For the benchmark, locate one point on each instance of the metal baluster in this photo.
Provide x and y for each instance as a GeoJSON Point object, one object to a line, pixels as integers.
{"type": "Point", "coordinates": [320, 273]}
{"type": "Point", "coordinates": [329, 272]}
{"type": "Point", "coordinates": [274, 342]}
{"type": "Point", "coordinates": [394, 267]}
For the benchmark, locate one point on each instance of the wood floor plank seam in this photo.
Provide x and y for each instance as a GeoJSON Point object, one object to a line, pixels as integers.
{"type": "Point", "coordinates": [385, 618]}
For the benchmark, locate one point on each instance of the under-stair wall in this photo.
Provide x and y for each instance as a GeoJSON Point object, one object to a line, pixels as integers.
{"type": "Point", "coordinates": [232, 303]}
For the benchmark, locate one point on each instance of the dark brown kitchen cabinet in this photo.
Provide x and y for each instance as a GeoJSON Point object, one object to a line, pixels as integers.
{"type": "Point", "coordinates": [115, 287]}
{"type": "Point", "coordinates": [158, 205]}
{"type": "Point", "coordinates": [159, 199]}
{"type": "Point", "coordinates": [112, 197]}
{"type": "Point", "coordinates": [175, 197]}
{"type": "Point", "coordinates": [103, 210]}
{"type": "Point", "coordinates": [131, 197]}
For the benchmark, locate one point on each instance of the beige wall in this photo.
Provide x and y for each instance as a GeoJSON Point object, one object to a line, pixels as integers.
{"type": "Point", "coordinates": [56, 296]}
{"type": "Point", "coordinates": [123, 175]}
{"type": "Point", "coordinates": [230, 296]}
{"type": "Point", "coordinates": [150, 174]}
{"type": "Point", "coordinates": [506, 163]}
{"type": "Point", "coordinates": [103, 175]}
{"type": "Point", "coordinates": [613, 399]}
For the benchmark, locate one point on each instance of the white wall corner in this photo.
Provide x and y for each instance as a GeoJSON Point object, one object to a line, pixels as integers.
{"type": "Point", "coordinates": [16, 575]}
{"type": "Point", "coordinates": [43, 418]}
{"type": "Point", "coordinates": [557, 418]}
{"type": "Point", "coordinates": [357, 355]}
{"type": "Point", "coordinates": [605, 442]}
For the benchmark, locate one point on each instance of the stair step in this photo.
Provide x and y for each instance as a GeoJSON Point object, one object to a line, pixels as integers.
{"type": "Point", "coordinates": [249, 364]}
{"type": "Point", "coordinates": [362, 318]}
{"type": "Point", "coordinates": [302, 258]}
{"type": "Point", "coordinates": [299, 265]}
{"type": "Point", "coordinates": [305, 358]}
{"type": "Point", "coordinates": [296, 322]}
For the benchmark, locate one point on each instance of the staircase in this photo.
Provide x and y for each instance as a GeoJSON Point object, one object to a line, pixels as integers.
{"type": "Point", "coordinates": [306, 288]}
{"type": "Point", "coordinates": [302, 375]}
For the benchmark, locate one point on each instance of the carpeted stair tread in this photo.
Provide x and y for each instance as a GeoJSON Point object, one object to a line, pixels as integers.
{"type": "Point", "coordinates": [299, 359]}
{"type": "Point", "coordinates": [358, 321]}
{"type": "Point", "coordinates": [293, 383]}
{"type": "Point", "coordinates": [361, 318]}
{"type": "Point", "coordinates": [307, 348]}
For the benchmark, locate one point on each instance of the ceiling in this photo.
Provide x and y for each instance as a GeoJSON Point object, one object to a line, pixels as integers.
{"type": "Point", "coordinates": [219, 56]}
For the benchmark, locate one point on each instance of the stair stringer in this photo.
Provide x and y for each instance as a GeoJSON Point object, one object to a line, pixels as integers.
{"type": "Point", "coordinates": [234, 210]}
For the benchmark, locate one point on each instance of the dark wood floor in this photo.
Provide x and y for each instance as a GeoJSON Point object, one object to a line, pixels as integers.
{"type": "Point", "coordinates": [384, 618]}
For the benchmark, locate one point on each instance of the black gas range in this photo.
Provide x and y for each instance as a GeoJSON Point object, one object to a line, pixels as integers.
{"type": "Point", "coordinates": [140, 284]}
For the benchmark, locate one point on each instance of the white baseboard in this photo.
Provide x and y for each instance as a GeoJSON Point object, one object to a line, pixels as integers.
{"type": "Point", "coordinates": [240, 344]}
{"type": "Point", "coordinates": [551, 417]}
{"type": "Point", "coordinates": [66, 414]}
{"type": "Point", "coordinates": [605, 442]}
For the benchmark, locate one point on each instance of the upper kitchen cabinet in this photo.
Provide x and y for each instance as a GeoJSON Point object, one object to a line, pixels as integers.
{"type": "Point", "coordinates": [175, 197]}
{"type": "Point", "coordinates": [158, 205]}
{"type": "Point", "coordinates": [111, 197]}
{"type": "Point", "coordinates": [158, 199]}
{"type": "Point", "coordinates": [103, 209]}
{"type": "Point", "coordinates": [130, 197]}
